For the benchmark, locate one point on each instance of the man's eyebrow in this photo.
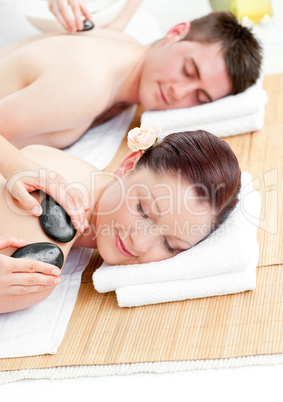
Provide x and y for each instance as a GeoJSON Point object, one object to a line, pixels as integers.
{"type": "Point", "coordinates": [198, 75]}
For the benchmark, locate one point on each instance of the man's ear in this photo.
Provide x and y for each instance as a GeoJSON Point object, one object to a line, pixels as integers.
{"type": "Point", "coordinates": [178, 32]}
{"type": "Point", "coordinates": [127, 164]}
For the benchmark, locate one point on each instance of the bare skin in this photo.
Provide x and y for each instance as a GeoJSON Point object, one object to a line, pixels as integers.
{"type": "Point", "coordinates": [74, 108]}
{"type": "Point", "coordinates": [52, 89]}
{"type": "Point", "coordinates": [27, 226]}
{"type": "Point", "coordinates": [119, 228]}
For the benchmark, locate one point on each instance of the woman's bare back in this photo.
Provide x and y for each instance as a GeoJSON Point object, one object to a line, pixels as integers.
{"type": "Point", "coordinates": [20, 223]}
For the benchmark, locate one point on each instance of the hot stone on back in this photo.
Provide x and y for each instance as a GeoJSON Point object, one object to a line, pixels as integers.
{"type": "Point", "coordinates": [55, 221]}
{"type": "Point", "coordinates": [88, 25]}
{"type": "Point", "coordinates": [45, 252]}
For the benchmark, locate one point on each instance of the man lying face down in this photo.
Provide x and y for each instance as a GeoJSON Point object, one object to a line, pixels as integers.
{"type": "Point", "coordinates": [54, 88]}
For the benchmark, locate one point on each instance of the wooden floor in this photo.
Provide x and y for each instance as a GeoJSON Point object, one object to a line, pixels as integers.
{"type": "Point", "coordinates": [249, 323]}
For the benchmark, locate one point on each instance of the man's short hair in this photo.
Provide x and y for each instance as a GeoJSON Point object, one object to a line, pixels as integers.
{"type": "Point", "coordinates": [242, 52]}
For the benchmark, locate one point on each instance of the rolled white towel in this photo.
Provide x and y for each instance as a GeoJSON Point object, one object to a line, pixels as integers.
{"type": "Point", "coordinates": [161, 292]}
{"type": "Point", "coordinates": [234, 114]}
{"type": "Point", "coordinates": [235, 126]}
{"type": "Point", "coordinates": [231, 248]}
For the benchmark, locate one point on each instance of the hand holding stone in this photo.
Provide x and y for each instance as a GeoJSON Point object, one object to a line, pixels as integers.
{"type": "Point", "coordinates": [70, 18]}
{"type": "Point", "coordinates": [22, 276]}
{"type": "Point", "coordinates": [34, 177]}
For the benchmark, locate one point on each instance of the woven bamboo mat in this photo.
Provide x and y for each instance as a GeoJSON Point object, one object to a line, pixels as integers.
{"type": "Point", "coordinates": [222, 327]}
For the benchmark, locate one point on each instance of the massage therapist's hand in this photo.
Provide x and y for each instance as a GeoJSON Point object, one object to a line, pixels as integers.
{"type": "Point", "coordinates": [20, 275]}
{"type": "Point", "coordinates": [69, 13]}
{"type": "Point", "coordinates": [23, 176]}
{"type": "Point", "coordinates": [34, 177]}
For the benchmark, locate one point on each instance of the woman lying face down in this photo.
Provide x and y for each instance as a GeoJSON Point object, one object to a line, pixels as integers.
{"type": "Point", "coordinates": [160, 202]}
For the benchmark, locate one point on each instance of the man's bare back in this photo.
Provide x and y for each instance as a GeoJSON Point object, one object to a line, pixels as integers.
{"type": "Point", "coordinates": [62, 83]}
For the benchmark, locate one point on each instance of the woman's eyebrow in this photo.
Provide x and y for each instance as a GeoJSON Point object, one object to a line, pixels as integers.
{"type": "Point", "coordinates": [154, 202]}
{"type": "Point", "coordinates": [199, 77]}
{"type": "Point", "coordinates": [181, 240]}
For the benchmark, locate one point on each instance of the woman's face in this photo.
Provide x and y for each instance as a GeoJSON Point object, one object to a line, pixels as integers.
{"type": "Point", "coordinates": [144, 217]}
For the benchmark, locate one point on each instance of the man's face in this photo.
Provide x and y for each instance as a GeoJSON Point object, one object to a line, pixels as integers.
{"type": "Point", "coordinates": [183, 74]}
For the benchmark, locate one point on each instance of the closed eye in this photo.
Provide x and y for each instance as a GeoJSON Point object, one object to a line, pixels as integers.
{"type": "Point", "coordinates": [185, 71]}
{"type": "Point", "coordinates": [141, 211]}
{"type": "Point", "coordinates": [202, 97]}
{"type": "Point", "coordinates": [170, 249]}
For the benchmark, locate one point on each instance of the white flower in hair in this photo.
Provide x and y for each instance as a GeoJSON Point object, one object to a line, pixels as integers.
{"type": "Point", "coordinates": [143, 137]}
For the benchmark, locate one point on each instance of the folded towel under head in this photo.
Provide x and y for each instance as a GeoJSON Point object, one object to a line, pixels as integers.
{"type": "Point", "coordinates": [223, 263]}
{"type": "Point", "coordinates": [232, 115]}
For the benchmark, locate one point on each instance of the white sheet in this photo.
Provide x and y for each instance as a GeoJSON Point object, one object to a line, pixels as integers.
{"type": "Point", "coordinates": [40, 329]}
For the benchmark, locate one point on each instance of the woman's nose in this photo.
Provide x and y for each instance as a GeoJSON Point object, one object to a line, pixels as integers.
{"type": "Point", "coordinates": [142, 238]}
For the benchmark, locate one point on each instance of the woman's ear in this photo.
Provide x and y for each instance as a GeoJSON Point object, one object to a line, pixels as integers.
{"type": "Point", "coordinates": [127, 164]}
{"type": "Point", "coordinates": [178, 32]}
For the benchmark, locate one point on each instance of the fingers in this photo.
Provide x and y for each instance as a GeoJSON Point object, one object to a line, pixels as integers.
{"type": "Point", "coordinates": [53, 184]}
{"type": "Point", "coordinates": [60, 9]}
{"type": "Point", "coordinates": [71, 20]}
{"type": "Point", "coordinates": [11, 241]}
{"type": "Point", "coordinates": [27, 201]}
{"type": "Point", "coordinates": [26, 265]}
{"type": "Point", "coordinates": [33, 280]}
{"type": "Point", "coordinates": [72, 201]}
{"type": "Point", "coordinates": [85, 12]}
{"type": "Point", "coordinates": [21, 276]}
{"type": "Point", "coordinates": [75, 208]}
{"type": "Point", "coordinates": [22, 290]}
{"type": "Point", "coordinates": [77, 14]}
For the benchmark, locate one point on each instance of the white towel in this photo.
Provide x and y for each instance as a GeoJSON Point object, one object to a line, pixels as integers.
{"type": "Point", "coordinates": [40, 329]}
{"type": "Point", "coordinates": [235, 114]}
{"type": "Point", "coordinates": [231, 249]}
{"type": "Point", "coordinates": [161, 292]}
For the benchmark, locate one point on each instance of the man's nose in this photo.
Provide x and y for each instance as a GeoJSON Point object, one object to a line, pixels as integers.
{"type": "Point", "coordinates": [181, 90]}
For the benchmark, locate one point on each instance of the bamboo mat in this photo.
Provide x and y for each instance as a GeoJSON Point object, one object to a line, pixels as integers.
{"type": "Point", "coordinates": [222, 327]}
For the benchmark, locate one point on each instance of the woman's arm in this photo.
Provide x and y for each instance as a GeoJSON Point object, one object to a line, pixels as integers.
{"type": "Point", "coordinates": [120, 22]}
{"type": "Point", "coordinates": [69, 14]}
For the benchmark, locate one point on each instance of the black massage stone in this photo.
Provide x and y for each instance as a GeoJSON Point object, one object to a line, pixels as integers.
{"type": "Point", "coordinates": [88, 25]}
{"type": "Point", "coordinates": [45, 252]}
{"type": "Point", "coordinates": [55, 221]}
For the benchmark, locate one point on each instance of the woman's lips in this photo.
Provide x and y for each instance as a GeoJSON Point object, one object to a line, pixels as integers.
{"type": "Point", "coordinates": [121, 247]}
{"type": "Point", "coordinates": [162, 95]}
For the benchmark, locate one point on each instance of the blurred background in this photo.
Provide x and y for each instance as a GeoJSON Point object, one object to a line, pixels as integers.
{"type": "Point", "coordinates": [262, 383]}
{"type": "Point", "coordinates": [264, 17]}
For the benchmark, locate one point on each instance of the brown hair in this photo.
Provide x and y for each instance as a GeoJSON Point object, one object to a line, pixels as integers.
{"type": "Point", "coordinates": [202, 160]}
{"type": "Point", "coordinates": [241, 50]}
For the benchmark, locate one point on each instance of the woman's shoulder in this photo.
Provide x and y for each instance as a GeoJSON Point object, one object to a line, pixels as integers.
{"type": "Point", "coordinates": [71, 167]}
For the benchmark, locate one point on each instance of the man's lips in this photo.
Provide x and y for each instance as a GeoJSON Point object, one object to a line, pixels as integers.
{"type": "Point", "coordinates": [121, 247]}
{"type": "Point", "coordinates": [162, 95]}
